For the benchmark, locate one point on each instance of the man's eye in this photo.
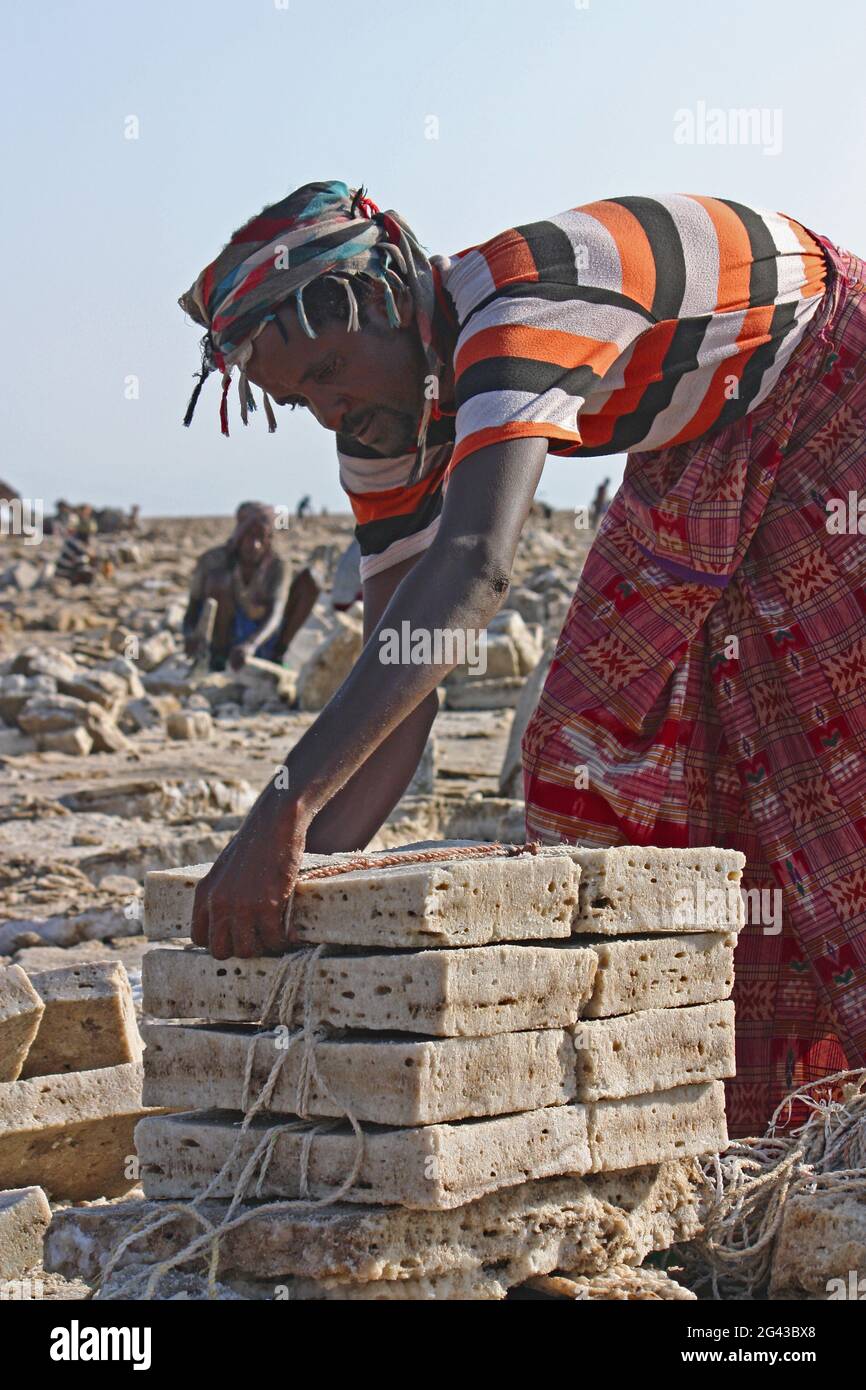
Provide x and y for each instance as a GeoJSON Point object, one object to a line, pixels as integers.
{"type": "Point", "coordinates": [326, 371]}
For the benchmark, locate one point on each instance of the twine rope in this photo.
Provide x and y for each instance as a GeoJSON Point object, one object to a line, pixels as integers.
{"type": "Point", "coordinates": [292, 989]}
{"type": "Point", "coordinates": [751, 1183]}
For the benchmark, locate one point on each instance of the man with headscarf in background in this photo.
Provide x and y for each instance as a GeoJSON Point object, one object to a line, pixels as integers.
{"type": "Point", "coordinates": [259, 609]}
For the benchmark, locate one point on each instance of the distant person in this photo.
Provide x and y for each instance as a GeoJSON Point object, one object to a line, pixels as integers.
{"type": "Point", "coordinates": [259, 608]}
{"type": "Point", "coordinates": [113, 520]}
{"type": "Point", "coordinates": [304, 507]}
{"type": "Point", "coordinates": [346, 588]}
{"type": "Point", "coordinates": [86, 524]}
{"type": "Point", "coordinates": [76, 563]}
{"type": "Point", "coordinates": [600, 503]}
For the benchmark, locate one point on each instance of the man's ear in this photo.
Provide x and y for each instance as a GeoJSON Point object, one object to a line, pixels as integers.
{"type": "Point", "coordinates": [405, 306]}
{"type": "Point", "coordinates": [376, 311]}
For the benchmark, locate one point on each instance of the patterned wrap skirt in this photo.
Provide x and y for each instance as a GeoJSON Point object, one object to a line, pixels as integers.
{"type": "Point", "coordinates": [709, 688]}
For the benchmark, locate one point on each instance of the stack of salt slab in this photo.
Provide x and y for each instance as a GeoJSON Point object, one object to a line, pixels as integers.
{"type": "Point", "coordinates": [70, 1097]}
{"type": "Point", "coordinates": [533, 1045]}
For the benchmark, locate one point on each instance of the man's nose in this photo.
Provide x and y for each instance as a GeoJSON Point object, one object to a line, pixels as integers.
{"type": "Point", "coordinates": [330, 413]}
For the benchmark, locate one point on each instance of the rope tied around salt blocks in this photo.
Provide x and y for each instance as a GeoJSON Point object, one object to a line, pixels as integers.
{"type": "Point", "coordinates": [291, 991]}
{"type": "Point", "coordinates": [751, 1183]}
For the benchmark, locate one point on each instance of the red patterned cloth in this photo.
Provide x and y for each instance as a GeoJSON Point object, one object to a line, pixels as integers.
{"type": "Point", "coordinates": [656, 728]}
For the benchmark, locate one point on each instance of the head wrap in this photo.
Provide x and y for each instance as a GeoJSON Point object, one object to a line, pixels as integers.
{"type": "Point", "coordinates": [322, 229]}
{"type": "Point", "coordinates": [249, 514]}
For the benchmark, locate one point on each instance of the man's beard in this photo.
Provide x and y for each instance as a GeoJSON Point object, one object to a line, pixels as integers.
{"type": "Point", "coordinates": [394, 432]}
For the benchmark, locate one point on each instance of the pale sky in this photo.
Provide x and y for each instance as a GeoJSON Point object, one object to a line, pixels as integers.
{"type": "Point", "coordinates": [536, 106]}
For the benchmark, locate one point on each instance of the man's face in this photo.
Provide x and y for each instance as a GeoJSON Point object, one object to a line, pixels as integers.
{"type": "Point", "coordinates": [368, 384]}
{"type": "Point", "coordinates": [255, 542]}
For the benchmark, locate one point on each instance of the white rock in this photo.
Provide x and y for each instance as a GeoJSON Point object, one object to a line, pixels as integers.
{"type": "Point", "coordinates": [20, 1012]}
{"type": "Point", "coordinates": [24, 1218]}
{"type": "Point", "coordinates": [329, 665]}
{"type": "Point", "coordinates": [75, 743]}
{"type": "Point", "coordinates": [189, 725]}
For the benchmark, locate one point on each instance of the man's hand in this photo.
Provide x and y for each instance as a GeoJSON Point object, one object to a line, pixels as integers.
{"type": "Point", "coordinates": [240, 905]}
{"type": "Point", "coordinates": [456, 586]}
{"type": "Point", "coordinates": [240, 655]}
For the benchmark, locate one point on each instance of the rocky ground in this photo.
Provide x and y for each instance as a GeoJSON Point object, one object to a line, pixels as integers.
{"type": "Point", "coordinates": [118, 757]}
{"type": "Point", "coordinates": [105, 773]}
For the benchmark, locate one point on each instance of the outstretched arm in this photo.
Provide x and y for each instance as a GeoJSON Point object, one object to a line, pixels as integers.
{"type": "Point", "coordinates": [459, 583]}
{"type": "Point", "coordinates": [351, 818]}
{"type": "Point", "coordinates": [193, 609]}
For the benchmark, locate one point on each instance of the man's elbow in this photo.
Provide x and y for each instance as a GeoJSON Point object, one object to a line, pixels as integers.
{"type": "Point", "coordinates": [492, 581]}
{"type": "Point", "coordinates": [485, 571]}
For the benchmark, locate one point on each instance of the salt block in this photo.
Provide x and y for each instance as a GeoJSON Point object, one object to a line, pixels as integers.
{"type": "Point", "coordinates": [76, 743]}
{"type": "Point", "coordinates": [168, 901]}
{"type": "Point", "coordinates": [72, 1134]}
{"type": "Point", "coordinates": [581, 1225]}
{"type": "Point", "coordinates": [434, 1166]}
{"type": "Point", "coordinates": [89, 1020]}
{"type": "Point", "coordinates": [653, 1050]}
{"type": "Point", "coordinates": [386, 1081]}
{"type": "Point", "coordinates": [24, 1218]}
{"type": "Point", "coordinates": [426, 1168]}
{"type": "Point", "coordinates": [619, 1283]}
{"type": "Point", "coordinates": [188, 725]}
{"type": "Point", "coordinates": [169, 895]}
{"type": "Point", "coordinates": [662, 972]}
{"type": "Point", "coordinates": [476, 1286]}
{"type": "Point", "coordinates": [474, 991]}
{"type": "Point", "coordinates": [450, 903]}
{"type": "Point", "coordinates": [624, 890]}
{"type": "Point", "coordinates": [680, 1123]}
{"type": "Point", "coordinates": [20, 1012]}
{"type": "Point", "coordinates": [502, 692]}
{"type": "Point", "coordinates": [820, 1251]}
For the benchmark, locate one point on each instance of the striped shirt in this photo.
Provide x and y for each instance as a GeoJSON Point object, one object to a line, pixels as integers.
{"type": "Point", "coordinates": [627, 324]}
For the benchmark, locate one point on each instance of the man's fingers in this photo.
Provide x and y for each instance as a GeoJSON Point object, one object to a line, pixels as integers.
{"type": "Point", "coordinates": [289, 930]}
{"type": "Point", "coordinates": [200, 914]}
{"type": "Point", "coordinates": [269, 930]}
{"type": "Point", "coordinates": [220, 941]}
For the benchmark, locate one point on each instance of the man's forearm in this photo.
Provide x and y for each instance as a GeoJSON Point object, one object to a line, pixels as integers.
{"type": "Point", "coordinates": [455, 587]}
{"type": "Point", "coordinates": [274, 615]}
{"type": "Point", "coordinates": [190, 619]}
{"type": "Point", "coordinates": [240, 905]}
{"type": "Point", "coordinates": [351, 818]}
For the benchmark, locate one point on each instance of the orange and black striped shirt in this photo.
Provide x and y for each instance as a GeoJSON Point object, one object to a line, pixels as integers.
{"type": "Point", "coordinates": [627, 324]}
